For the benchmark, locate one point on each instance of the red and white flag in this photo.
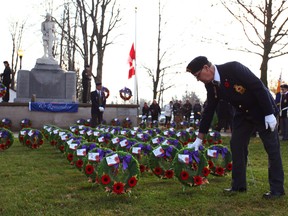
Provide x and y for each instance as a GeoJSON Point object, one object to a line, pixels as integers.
{"type": "Point", "coordinates": [132, 56]}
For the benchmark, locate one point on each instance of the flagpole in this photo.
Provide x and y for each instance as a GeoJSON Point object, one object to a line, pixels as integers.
{"type": "Point", "coordinates": [136, 100]}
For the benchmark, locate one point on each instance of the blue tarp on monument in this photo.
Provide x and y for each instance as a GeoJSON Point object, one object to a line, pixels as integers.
{"type": "Point", "coordinates": [53, 107]}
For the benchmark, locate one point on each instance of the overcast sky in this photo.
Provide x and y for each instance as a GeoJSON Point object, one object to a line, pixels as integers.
{"type": "Point", "coordinates": [193, 27]}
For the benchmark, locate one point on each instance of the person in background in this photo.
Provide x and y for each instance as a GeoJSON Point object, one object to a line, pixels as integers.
{"type": "Point", "coordinates": [6, 80]}
{"type": "Point", "coordinates": [168, 109]}
{"type": "Point", "coordinates": [177, 112]}
{"type": "Point", "coordinates": [98, 105]}
{"type": "Point", "coordinates": [155, 110]}
{"type": "Point", "coordinates": [197, 109]}
{"type": "Point", "coordinates": [187, 109]}
{"type": "Point", "coordinates": [86, 83]}
{"type": "Point", "coordinates": [145, 112]}
{"type": "Point", "coordinates": [254, 108]}
{"type": "Point", "coordinates": [283, 111]}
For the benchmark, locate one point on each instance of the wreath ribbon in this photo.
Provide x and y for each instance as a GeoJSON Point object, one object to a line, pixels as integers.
{"type": "Point", "coordinates": [192, 155]}
{"type": "Point", "coordinates": [222, 151]}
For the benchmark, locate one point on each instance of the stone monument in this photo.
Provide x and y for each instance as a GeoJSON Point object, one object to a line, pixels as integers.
{"type": "Point", "coordinates": [46, 82]}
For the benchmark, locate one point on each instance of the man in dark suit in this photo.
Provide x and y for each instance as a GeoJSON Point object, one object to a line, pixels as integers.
{"type": "Point", "coordinates": [254, 109]}
{"type": "Point", "coordinates": [98, 105]}
{"type": "Point", "coordinates": [86, 83]}
{"type": "Point", "coordinates": [6, 79]}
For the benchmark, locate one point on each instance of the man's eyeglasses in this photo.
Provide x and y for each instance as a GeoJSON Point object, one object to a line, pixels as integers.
{"type": "Point", "coordinates": [197, 75]}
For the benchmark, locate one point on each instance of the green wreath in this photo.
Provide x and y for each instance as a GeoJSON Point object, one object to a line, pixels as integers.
{"type": "Point", "coordinates": [160, 161]}
{"type": "Point", "coordinates": [82, 150]}
{"type": "Point", "coordinates": [6, 139]}
{"type": "Point", "coordinates": [6, 123]}
{"type": "Point", "coordinates": [91, 162]}
{"type": "Point", "coordinates": [141, 152]}
{"type": "Point", "coordinates": [33, 138]}
{"type": "Point", "coordinates": [125, 93]}
{"type": "Point", "coordinates": [3, 90]}
{"type": "Point", "coordinates": [70, 147]}
{"type": "Point", "coordinates": [127, 123]}
{"type": "Point", "coordinates": [214, 137]}
{"type": "Point", "coordinates": [118, 172]}
{"type": "Point", "coordinates": [219, 159]}
{"type": "Point", "coordinates": [191, 167]}
{"type": "Point", "coordinates": [25, 123]}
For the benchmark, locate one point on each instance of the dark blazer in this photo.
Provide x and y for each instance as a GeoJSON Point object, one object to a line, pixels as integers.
{"type": "Point", "coordinates": [6, 75]}
{"type": "Point", "coordinates": [97, 101]}
{"type": "Point", "coordinates": [243, 90]}
{"type": "Point", "coordinates": [284, 104]}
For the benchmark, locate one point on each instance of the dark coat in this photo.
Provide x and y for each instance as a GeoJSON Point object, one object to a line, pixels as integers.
{"type": "Point", "coordinates": [97, 101]}
{"type": "Point", "coordinates": [6, 76]}
{"type": "Point", "coordinates": [243, 90]}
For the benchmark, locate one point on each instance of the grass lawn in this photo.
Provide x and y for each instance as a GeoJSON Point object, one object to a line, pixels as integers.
{"type": "Point", "coordinates": [42, 182]}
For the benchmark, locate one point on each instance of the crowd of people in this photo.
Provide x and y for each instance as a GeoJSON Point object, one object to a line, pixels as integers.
{"type": "Point", "coordinates": [173, 111]}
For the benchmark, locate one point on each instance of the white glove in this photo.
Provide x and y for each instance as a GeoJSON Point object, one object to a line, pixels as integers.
{"type": "Point", "coordinates": [270, 121]}
{"type": "Point", "coordinates": [101, 109]}
{"type": "Point", "coordinates": [196, 144]}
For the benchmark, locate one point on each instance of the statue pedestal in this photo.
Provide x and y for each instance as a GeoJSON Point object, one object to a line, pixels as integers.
{"type": "Point", "coordinates": [47, 82]}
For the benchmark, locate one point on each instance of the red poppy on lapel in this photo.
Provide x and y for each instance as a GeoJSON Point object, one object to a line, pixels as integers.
{"type": "Point", "coordinates": [226, 84]}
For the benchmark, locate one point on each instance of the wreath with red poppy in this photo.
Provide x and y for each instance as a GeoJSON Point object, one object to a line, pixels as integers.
{"type": "Point", "coordinates": [191, 167]}
{"type": "Point", "coordinates": [213, 137]}
{"type": "Point", "coordinates": [219, 159]}
{"type": "Point", "coordinates": [81, 152]}
{"type": "Point", "coordinates": [33, 138]}
{"type": "Point", "coordinates": [125, 93]}
{"type": "Point", "coordinates": [6, 123]}
{"type": "Point", "coordinates": [6, 139]}
{"type": "Point", "coordinates": [160, 161]}
{"type": "Point", "coordinates": [91, 162]}
{"type": "Point", "coordinates": [25, 123]}
{"type": "Point", "coordinates": [118, 172]}
{"type": "Point", "coordinates": [141, 152]}
{"type": "Point", "coordinates": [3, 90]}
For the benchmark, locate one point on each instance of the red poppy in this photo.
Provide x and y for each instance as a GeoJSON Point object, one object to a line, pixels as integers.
{"type": "Point", "coordinates": [184, 175]}
{"type": "Point", "coordinates": [142, 168]}
{"type": "Point", "coordinates": [70, 157]}
{"type": "Point", "coordinates": [158, 171]}
{"type": "Point", "coordinates": [21, 138]}
{"type": "Point", "coordinates": [27, 142]}
{"type": "Point", "coordinates": [2, 146]}
{"type": "Point", "coordinates": [8, 142]}
{"type": "Point", "coordinates": [34, 146]}
{"type": "Point", "coordinates": [198, 180]}
{"type": "Point", "coordinates": [229, 166]}
{"type": "Point", "coordinates": [79, 163]}
{"type": "Point", "coordinates": [220, 141]}
{"type": "Point", "coordinates": [211, 164]}
{"type": "Point", "coordinates": [41, 142]}
{"type": "Point", "coordinates": [169, 173]}
{"type": "Point", "coordinates": [205, 171]}
{"type": "Point", "coordinates": [118, 188]}
{"type": "Point", "coordinates": [105, 179]}
{"type": "Point", "coordinates": [89, 169]}
{"type": "Point", "coordinates": [226, 84]}
{"type": "Point", "coordinates": [132, 181]}
{"type": "Point", "coordinates": [219, 171]}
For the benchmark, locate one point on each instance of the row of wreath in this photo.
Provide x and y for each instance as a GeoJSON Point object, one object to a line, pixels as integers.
{"type": "Point", "coordinates": [116, 163]}
{"type": "Point", "coordinates": [118, 169]}
{"type": "Point", "coordinates": [109, 135]}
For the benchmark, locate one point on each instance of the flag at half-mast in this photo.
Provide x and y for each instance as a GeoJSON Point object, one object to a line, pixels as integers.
{"type": "Point", "coordinates": [132, 57]}
{"type": "Point", "coordinates": [278, 92]}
